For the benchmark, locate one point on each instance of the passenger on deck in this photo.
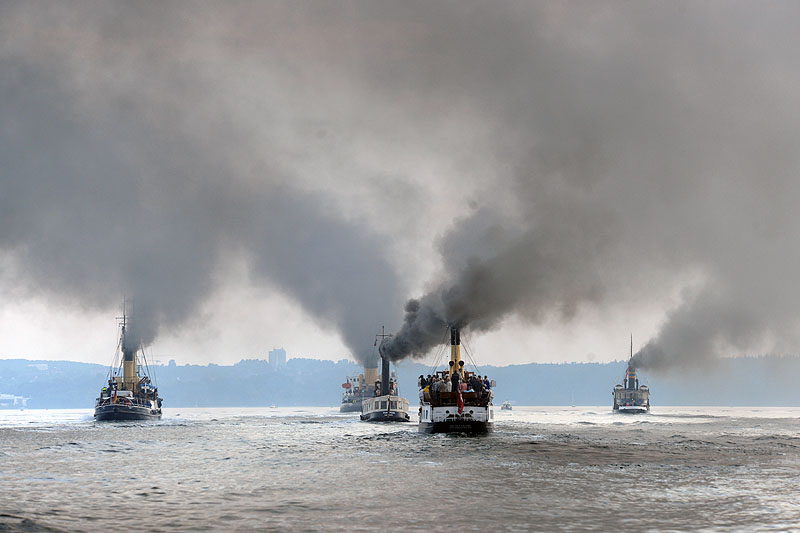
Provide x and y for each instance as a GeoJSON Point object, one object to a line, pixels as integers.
{"type": "Point", "coordinates": [435, 388]}
{"type": "Point", "coordinates": [477, 385]}
{"type": "Point", "coordinates": [486, 383]}
{"type": "Point", "coordinates": [455, 381]}
{"type": "Point", "coordinates": [447, 385]}
{"type": "Point", "coordinates": [421, 383]}
{"type": "Point", "coordinates": [377, 391]}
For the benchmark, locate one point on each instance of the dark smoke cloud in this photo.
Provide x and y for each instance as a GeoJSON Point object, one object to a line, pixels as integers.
{"type": "Point", "coordinates": [124, 174]}
{"type": "Point", "coordinates": [641, 148]}
{"type": "Point", "coordinates": [523, 277]}
{"type": "Point", "coordinates": [581, 159]}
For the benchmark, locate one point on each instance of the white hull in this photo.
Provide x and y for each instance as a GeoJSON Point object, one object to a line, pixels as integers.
{"type": "Point", "coordinates": [385, 409]}
{"type": "Point", "coordinates": [446, 419]}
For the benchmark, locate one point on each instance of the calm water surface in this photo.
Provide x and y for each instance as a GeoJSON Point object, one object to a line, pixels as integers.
{"type": "Point", "coordinates": [544, 468]}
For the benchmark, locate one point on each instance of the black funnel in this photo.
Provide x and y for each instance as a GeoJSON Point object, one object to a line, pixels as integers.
{"type": "Point", "coordinates": [385, 385]}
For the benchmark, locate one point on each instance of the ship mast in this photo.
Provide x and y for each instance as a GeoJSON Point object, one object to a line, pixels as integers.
{"type": "Point", "coordinates": [630, 376]}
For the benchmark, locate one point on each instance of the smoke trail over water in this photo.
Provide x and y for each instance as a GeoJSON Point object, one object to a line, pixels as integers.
{"type": "Point", "coordinates": [530, 160]}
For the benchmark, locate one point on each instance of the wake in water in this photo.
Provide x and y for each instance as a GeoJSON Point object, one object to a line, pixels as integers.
{"type": "Point", "coordinates": [283, 469]}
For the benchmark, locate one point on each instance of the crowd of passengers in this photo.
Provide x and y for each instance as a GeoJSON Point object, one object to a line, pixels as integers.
{"type": "Point", "coordinates": [430, 387]}
{"type": "Point", "coordinates": [107, 393]}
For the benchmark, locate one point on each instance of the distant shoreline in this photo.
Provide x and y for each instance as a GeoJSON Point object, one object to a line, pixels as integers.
{"type": "Point", "coordinates": [739, 382]}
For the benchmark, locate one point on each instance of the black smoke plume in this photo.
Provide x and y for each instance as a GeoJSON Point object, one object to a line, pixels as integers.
{"type": "Point", "coordinates": [130, 167]}
{"type": "Point", "coordinates": [570, 163]}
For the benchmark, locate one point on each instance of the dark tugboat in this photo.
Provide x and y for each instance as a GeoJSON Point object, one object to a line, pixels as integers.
{"type": "Point", "coordinates": [456, 405]}
{"type": "Point", "coordinates": [386, 405]}
{"type": "Point", "coordinates": [131, 395]}
{"type": "Point", "coordinates": [630, 397]}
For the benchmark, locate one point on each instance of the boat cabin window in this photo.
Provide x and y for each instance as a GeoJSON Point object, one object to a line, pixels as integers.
{"type": "Point", "coordinates": [383, 405]}
{"type": "Point", "coordinates": [394, 405]}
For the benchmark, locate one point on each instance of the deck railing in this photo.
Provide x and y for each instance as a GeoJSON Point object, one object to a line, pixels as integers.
{"type": "Point", "coordinates": [125, 401]}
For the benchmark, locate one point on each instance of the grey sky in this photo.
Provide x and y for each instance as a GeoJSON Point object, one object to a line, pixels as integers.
{"type": "Point", "coordinates": [539, 172]}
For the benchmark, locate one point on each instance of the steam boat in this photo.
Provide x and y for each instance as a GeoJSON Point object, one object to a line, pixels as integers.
{"type": "Point", "coordinates": [465, 409]}
{"type": "Point", "coordinates": [130, 394]}
{"type": "Point", "coordinates": [390, 408]}
{"type": "Point", "coordinates": [385, 405]}
{"type": "Point", "coordinates": [506, 406]}
{"type": "Point", "coordinates": [357, 388]}
{"type": "Point", "coordinates": [352, 396]}
{"type": "Point", "coordinates": [630, 397]}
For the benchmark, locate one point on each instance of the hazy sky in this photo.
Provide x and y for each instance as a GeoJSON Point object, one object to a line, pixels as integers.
{"type": "Point", "coordinates": [551, 176]}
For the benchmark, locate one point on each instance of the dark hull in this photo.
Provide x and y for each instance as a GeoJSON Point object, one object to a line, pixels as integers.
{"type": "Point", "coordinates": [456, 426]}
{"type": "Point", "coordinates": [383, 416]}
{"type": "Point", "coordinates": [119, 412]}
{"type": "Point", "coordinates": [641, 411]}
{"type": "Point", "coordinates": [350, 407]}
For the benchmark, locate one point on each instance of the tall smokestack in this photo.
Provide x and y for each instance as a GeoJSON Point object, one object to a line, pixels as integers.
{"type": "Point", "coordinates": [455, 349]}
{"type": "Point", "coordinates": [632, 381]}
{"type": "Point", "coordinates": [129, 368]}
{"type": "Point", "coordinates": [129, 377]}
{"type": "Point", "coordinates": [385, 388]}
{"type": "Point", "coordinates": [370, 375]}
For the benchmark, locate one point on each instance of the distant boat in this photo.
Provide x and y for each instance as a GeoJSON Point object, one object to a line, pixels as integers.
{"type": "Point", "coordinates": [10, 401]}
{"type": "Point", "coordinates": [356, 388]}
{"type": "Point", "coordinates": [385, 405]}
{"type": "Point", "coordinates": [630, 398]}
{"type": "Point", "coordinates": [506, 406]}
{"type": "Point", "coordinates": [130, 394]}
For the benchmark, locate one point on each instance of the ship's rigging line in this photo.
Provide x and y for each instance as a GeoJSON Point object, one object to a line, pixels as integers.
{"type": "Point", "coordinates": [439, 352]}
{"type": "Point", "coordinates": [116, 364]}
{"type": "Point", "coordinates": [111, 372]}
{"type": "Point", "coordinates": [467, 350]}
{"type": "Point", "coordinates": [147, 367]}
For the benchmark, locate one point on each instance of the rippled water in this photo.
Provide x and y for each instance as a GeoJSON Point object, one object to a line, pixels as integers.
{"type": "Point", "coordinates": [547, 469]}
